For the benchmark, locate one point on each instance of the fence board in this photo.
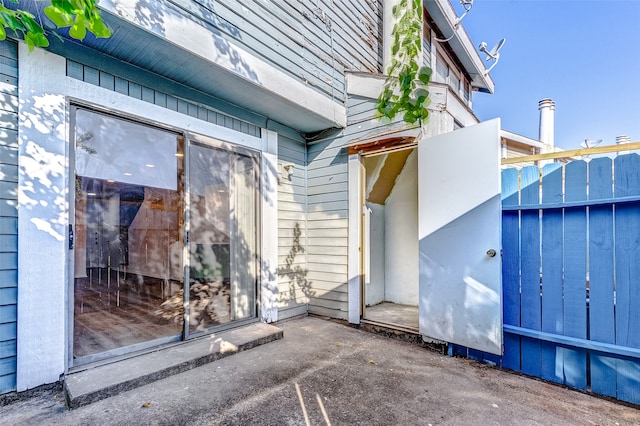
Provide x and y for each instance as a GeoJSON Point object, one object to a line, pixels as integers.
{"type": "Point", "coordinates": [575, 273]}
{"type": "Point", "coordinates": [627, 246]}
{"type": "Point", "coordinates": [552, 357]}
{"type": "Point", "coordinates": [571, 277]}
{"type": "Point", "coordinates": [530, 268]}
{"type": "Point", "coordinates": [511, 268]}
{"type": "Point", "coordinates": [601, 292]}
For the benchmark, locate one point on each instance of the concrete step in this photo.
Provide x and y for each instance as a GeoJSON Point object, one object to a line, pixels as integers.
{"type": "Point", "coordinates": [103, 381]}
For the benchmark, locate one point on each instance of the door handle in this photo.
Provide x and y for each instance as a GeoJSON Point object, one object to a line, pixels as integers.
{"type": "Point", "coordinates": [71, 237]}
{"type": "Point", "coordinates": [491, 253]}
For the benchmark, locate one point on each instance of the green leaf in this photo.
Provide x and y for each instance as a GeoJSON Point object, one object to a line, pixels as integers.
{"type": "Point", "coordinates": [99, 29]}
{"type": "Point", "coordinates": [78, 30]}
{"type": "Point", "coordinates": [402, 91]}
{"type": "Point", "coordinates": [12, 22]}
{"type": "Point", "coordinates": [30, 24]}
{"type": "Point", "coordinates": [30, 43]}
{"type": "Point", "coordinates": [424, 75]}
{"type": "Point", "coordinates": [409, 117]}
{"type": "Point", "coordinates": [65, 6]}
{"type": "Point", "coordinates": [421, 95]}
{"type": "Point", "coordinates": [40, 40]}
{"type": "Point", "coordinates": [3, 33]}
{"type": "Point", "coordinates": [58, 16]}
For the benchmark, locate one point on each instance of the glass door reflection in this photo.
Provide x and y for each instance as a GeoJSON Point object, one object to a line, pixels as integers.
{"type": "Point", "coordinates": [222, 247]}
{"type": "Point", "coordinates": [128, 273]}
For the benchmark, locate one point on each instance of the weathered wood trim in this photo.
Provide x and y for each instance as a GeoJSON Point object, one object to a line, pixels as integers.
{"type": "Point", "coordinates": [573, 153]}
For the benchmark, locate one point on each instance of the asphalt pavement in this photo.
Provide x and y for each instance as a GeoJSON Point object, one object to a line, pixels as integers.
{"type": "Point", "coordinates": [323, 372]}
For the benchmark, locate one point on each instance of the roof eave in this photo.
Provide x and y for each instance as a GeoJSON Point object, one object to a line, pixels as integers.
{"type": "Point", "coordinates": [444, 16]}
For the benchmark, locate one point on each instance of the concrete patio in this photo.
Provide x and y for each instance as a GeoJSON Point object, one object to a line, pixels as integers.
{"type": "Point", "coordinates": [323, 372]}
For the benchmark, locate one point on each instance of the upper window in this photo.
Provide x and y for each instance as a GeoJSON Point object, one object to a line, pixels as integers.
{"type": "Point", "coordinates": [454, 81]}
{"type": "Point", "coordinates": [466, 93]}
{"type": "Point", "coordinates": [426, 45]}
{"type": "Point", "coordinates": [442, 70]}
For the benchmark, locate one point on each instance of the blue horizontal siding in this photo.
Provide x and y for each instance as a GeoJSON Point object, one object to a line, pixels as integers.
{"type": "Point", "coordinates": [8, 313]}
{"type": "Point", "coordinates": [8, 214]}
{"type": "Point", "coordinates": [9, 278]}
{"type": "Point", "coordinates": [8, 172]}
{"type": "Point", "coordinates": [8, 296]}
{"type": "Point", "coordinates": [8, 348]}
{"type": "Point", "coordinates": [8, 331]}
{"type": "Point", "coordinates": [8, 102]}
{"type": "Point", "coordinates": [8, 154]}
{"type": "Point", "coordinates": [7, 383]}
{"type": "Point", "coordinates": [8, 244]}
{"type": "Point", "coordinates": [110, 82]}
{"type": "Point", "coordinates": [8, 364]}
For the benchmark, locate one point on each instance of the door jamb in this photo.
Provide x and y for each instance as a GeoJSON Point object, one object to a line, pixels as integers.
{"type": "Point", "coordinates": [355, 253]}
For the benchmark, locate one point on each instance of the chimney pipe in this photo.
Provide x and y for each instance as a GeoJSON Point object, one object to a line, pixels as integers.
{"type": "Point", "coordinates": [546, 131]}
{"type": "Point", "coordinates": [623, 139]}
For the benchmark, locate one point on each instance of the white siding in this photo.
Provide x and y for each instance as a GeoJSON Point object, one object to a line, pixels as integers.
{"type": "Point", "coordinates": [293, 280]}
{"type": "Point", "coordinates": [328, 210]}
{"type": "Point", "coordinates": [8, 213]}
{"type": "Point", "coordinates": [312, 41]}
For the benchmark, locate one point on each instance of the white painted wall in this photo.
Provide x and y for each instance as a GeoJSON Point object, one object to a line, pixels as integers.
{"type": "Point", "coordinates": [401, 237]}
{"type": "Point", "coordinates": [374, 290]}
{"type": "Point", "coordinates": [354, 267]}
{"type": "Point", "coordinates": [43, 185]}
{"type": "Point", "coordinates": [42, 218]}
{"type": "Point", "coordinates": [269, 291]}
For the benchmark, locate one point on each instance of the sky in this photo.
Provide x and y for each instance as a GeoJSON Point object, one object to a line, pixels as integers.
{"type": "Point", "coordinates": [584, 55]}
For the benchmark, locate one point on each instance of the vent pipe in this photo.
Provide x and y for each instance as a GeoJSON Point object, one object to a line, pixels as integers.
{"type": "Point", "coordinates": [623, 139]}
{"type": "Point", "coordinates": [546, 131]}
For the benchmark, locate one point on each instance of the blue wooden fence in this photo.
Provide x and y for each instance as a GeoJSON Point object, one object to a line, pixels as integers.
{"type": "Point", "coordinates": [571, 275]}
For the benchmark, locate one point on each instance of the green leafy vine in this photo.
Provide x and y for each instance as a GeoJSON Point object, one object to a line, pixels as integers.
{"type": "Point", "coordinates": [81, 16]}
{"type": "Point", "coordinates": [404, 90]}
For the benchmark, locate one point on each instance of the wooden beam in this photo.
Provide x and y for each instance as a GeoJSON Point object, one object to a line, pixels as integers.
{"type": "Point", "coordinates": [572, 153]}
{"type": "Point", "coordinates": [574, 342]}
{"type": "Point", "coordinates": [381, 145]}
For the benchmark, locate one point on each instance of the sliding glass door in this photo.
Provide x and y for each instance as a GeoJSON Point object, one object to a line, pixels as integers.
{"type": "Point", "coordinates": [128, 274]}
{"type": "Point", "coordinates": [141, 227]}
{"type": "Point", "coordinates": [223, 187]}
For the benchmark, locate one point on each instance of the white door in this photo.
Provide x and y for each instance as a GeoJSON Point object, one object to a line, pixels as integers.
{"type": "Point", "coordinates": [460, 237]}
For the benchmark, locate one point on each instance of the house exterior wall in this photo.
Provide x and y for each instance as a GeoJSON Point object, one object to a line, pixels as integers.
{"type": "Point", "coordinates": [43, 351]}
{"type": "Point", "coordinates": [328, 210]}
{"type": "Point", "coordinates": [295, 51]}
{"type": "Point", "coordinates": [8, 213]}
{"type": "Point", "coordinates": [293, 281]}
{"type": "Point", "coordinates": [327, 227]}
{"type": "Point", "coordinates": [329, 216]}
{"type": "Point", "coordinates": [291, 52]}
{"type": "Point", "coordinates": [314, 42]}
{"type": "Point", "coordinates": [246, 60]}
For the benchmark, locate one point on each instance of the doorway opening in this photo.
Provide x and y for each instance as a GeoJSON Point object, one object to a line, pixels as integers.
{"type": "Point", "coordinates": [390, 244]}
